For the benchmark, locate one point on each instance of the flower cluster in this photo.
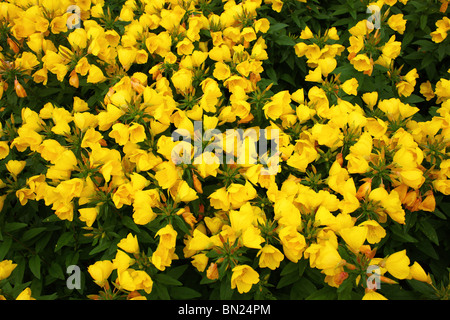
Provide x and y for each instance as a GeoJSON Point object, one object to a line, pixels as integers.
{"type": "Point", "coordinates": [348, 171]}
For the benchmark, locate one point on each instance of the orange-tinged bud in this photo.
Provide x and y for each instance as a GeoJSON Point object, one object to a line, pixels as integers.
{"type": "Point", "coordinates": [411, 198]}
{"type": "Point", "coordinates": [339, 158]}
{"type": "Point", "coordinates": [368, 252]}
{"type": "Point", "coordinates": [136, 85]}
{"type": "Point", "coordinates": [74, 80]}
{"type": "Point", "coordinates": [429, 204]}
{"type": "Point", "coordinates": [20, 91]}
{"type": "Point", "coordinates": [444, 6]}
{"type": "Point", "coordinates": [14, 47]}
{"type": "Point", "coordinates": [197, 184]}
{"type": "Point", "coordinates": [189, 218]}
{"type": "Point", "coordinates": [103, 142]}
{"type": "Point", "coordinates": [107, 99]}
{"type": "Point", "coordinates": [133, 294]}
{"type": "Point", "coordinates": [387, 280]}
{"type": "Point", "coordinates": [212, 272]}
{"type": "Point", "coordinates": [364, 189]}
{"type": "Point", "coordinates": [340, 277]}
{"type": "Point", "coordinates": [350, 266]}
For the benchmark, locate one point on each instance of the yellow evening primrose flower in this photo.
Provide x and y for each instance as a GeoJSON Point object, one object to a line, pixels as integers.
{"type": "Point", "coordinates": [129, 244]}
{"type": "Point", "coordinates": [100, 271]}
{"type": "Point", "coordinates": [6, 268]}
{"type": "Point", "coordinates": [270, 257]}
{"type": "Point", "coordinates": [397, 264]}
{"type": "Point", "coordinates": [243, 277]}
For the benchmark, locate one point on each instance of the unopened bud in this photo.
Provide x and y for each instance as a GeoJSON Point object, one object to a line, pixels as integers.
{"type": "Point", "coordinates": [20, 91]}
{"type": "Point", "coordinates": [74, 80]}
{"type": "Point", "coordinates": [340, 159]}
{"type": "Point", "coordinates": [197, 184]}
{"type": "Point", "coordinates": [14, 47]}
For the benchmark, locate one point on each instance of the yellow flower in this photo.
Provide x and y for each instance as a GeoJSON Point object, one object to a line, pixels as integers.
{"type": "Point", "coordinates": [293, 242]}
{"type": "Point", "coordinates": [181, 191]}
{"type": "Point", "coordinates": [132, 280]}
{"type": "Point", "coordinates": [270, 257]}
{"type": "Point", "coordinates": [251, 237]}
{"type": "Point", "coordinates": [354, 237]}
{"type": "Point", "coordinates": [167, 236]}
{"type": "Point", "coordinates": [182, 79]}
{"type": "Point", "coordinates": [327, 134]}
{"type": "Point", "coordinates": [122, 261]}
{"type": "Point", "coordinates": [6, 268]}
{"type": "Point", "coordinates": [25, 295]}
{"type": "Point", "coordinates": [100, 271]}
{"type": "Point", "coordinates": [15, 167]}
{"type": "Point", "coordinates": [221, 71]}
{"type": "Point", "coordinates": [397, 23]}
{"type": "Point", "coordinates": [417, 273]}
{"type": "Point", "coordinates": [200, 261]}
{"type": "Point", "coordinates": [375, 232]}
{"type": "Point", "coordinates": [27, 137]}
{"type": "Point", "coordinates": [373, 295]}
{"type": "Point", "coordinates": [88, 215]}
{"type": "Point", "coordinates": [163, 257]}
{"type": "Point", "coordinates": [243, 277]}
{"type": "Point", "coordinates": [120, 133]}
{"type": "Point", "coordinates": [166, 174]}
{"type": "Point", "coordinates": [350, 86]}
{"type": "Point", "coordinates": [4, 149]}
{"type": "Point", "coordinates": [199, 241]}
{"type": "Point", "coordinates": [397, 264]}
{"type": "Point", "coordinates": [78, 38]}
{"type": "Point", "coordinates": [129, 244]}
{"type": "Point", "coordinates": [142, 207]}
{"type": "Point", "coordinates": [95, 74]}
{"type": "Point", "coordinates": [328, 258]}
{"type": "Point", "coordinates": [362, 63]}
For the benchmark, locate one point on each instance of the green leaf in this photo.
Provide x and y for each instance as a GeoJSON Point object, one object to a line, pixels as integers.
{"type": "Point", "coordinates": [429, 231]}
{"type": "Point", "coordinates": [161, 291]}
{"type": "Point", "coordinates": [225, 289]}
{"type": "Point", "coordinates": [184, 293]}
{"type": "Point", "coordinates": [287, 280]}
{"type": "Point", "coordinates": [64, 240]}
{"type": "Point", "coordinates": [423, 288]}
{"type": "Point", "coordinates": [31, 233]}
{"type": "Point", "coordinates": [176, 272]}
{"type": "Point", "coordinates": [14, 226]}
{"type": "Point", "coordinates": [276, 27]}
{"type": "Point", "coordinates": [129, 223]}
{"type": "Point", "coordinates": [326, 293]}
{"type": "Point", "coordinates": [101, 247]}
{"type": "Point", "coordinates": [289, 268]}
{"type": "Point", "coordinates": [4, 247]}
{"type": "Point", "coordinates": [35, 266]}
{"type": "Point", "coordinates": [284, 41]}
{"type": "Point", "coordinates": [401, 234]}
{"type": "Point", "coordinates": [427, 248]}
{"type": "Point", "coordinates": [167, 280]}
{"type": "Point", "coordinates": [56, 271]}
{"type": "Point", "coordinates": [302, 289]}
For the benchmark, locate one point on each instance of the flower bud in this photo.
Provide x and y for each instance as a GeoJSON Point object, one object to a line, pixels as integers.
{"type": "Point", "coordinates": [74, 80]}
{"type": "Point", "coordinates": [20, 91]}
{"type": "Point", "coordinates": [13, 45]}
